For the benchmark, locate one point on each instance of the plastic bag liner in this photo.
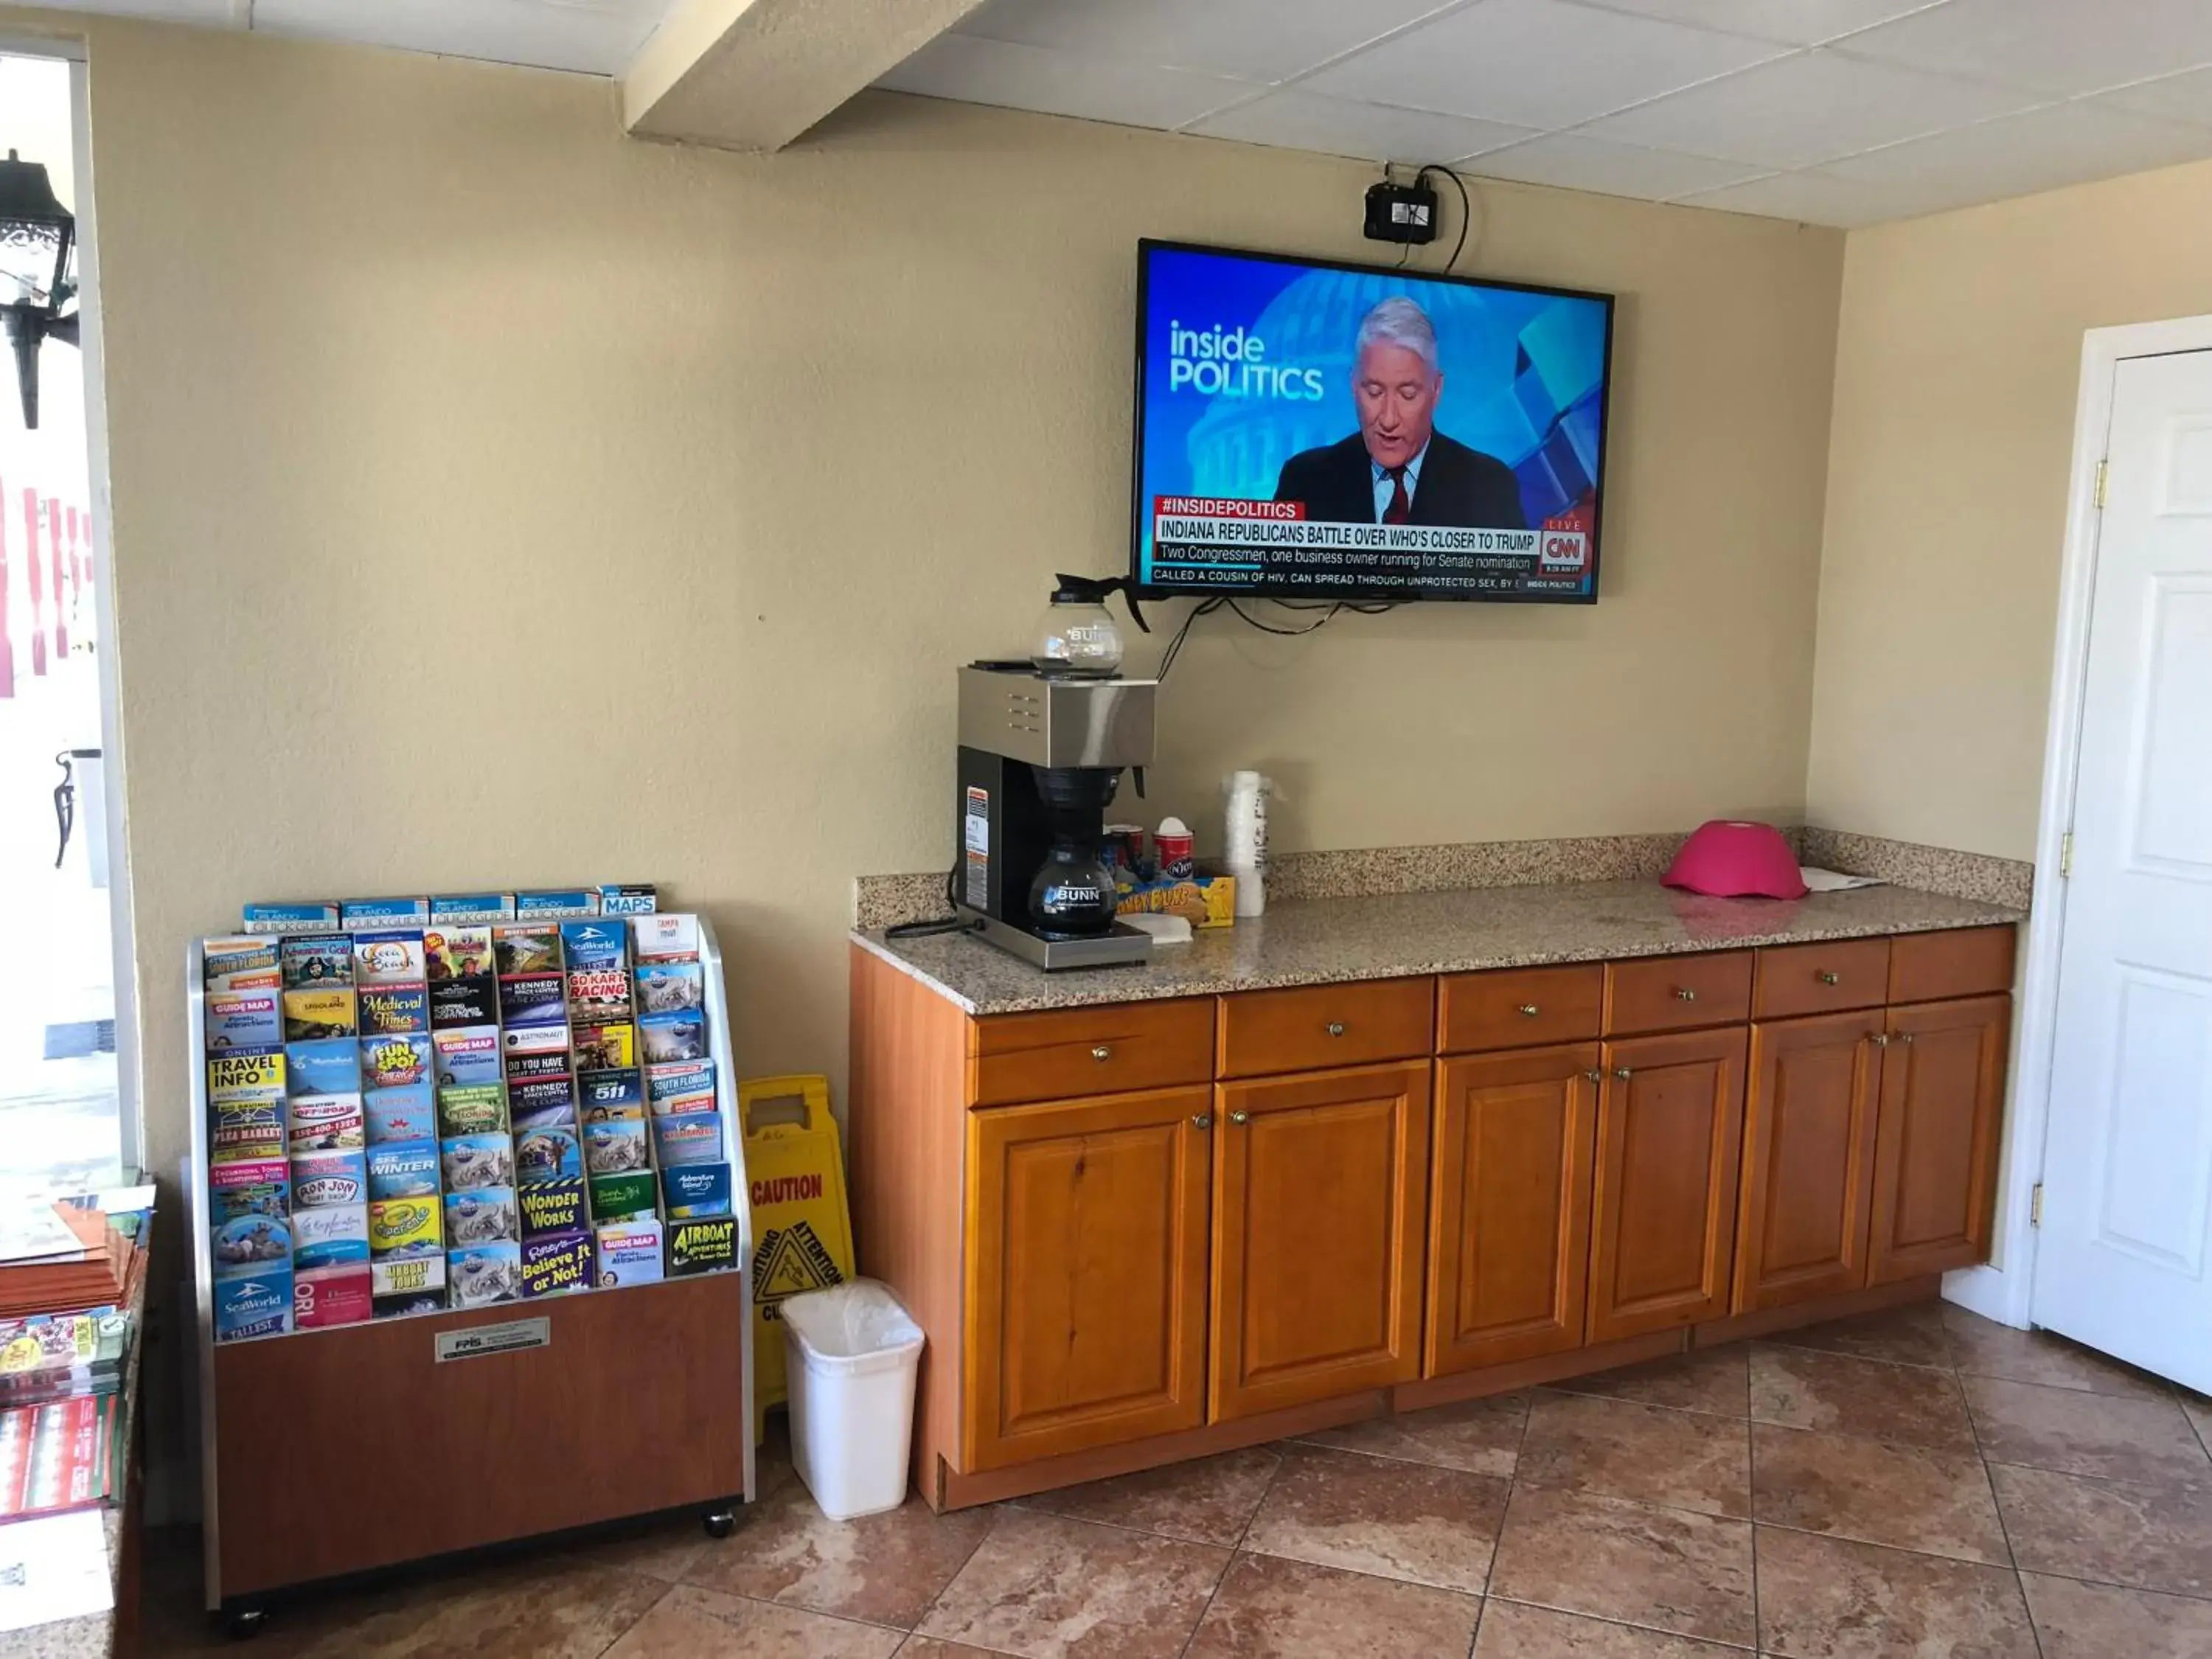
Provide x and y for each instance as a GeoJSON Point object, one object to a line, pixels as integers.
{"type": "Point", "coordinates": [858, 1326]}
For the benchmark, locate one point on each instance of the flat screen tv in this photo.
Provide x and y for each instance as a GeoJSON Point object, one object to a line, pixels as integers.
{"type": "Point", "coordinates": [1311, 430]}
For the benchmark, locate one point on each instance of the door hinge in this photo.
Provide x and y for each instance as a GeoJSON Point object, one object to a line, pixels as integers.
{"type": "Point", "coordinates": [2066, 855]}
{"type": "Point", "coordinates": [2103, 469]}
{"type": "Point", "coordinates": [2035, 1205]}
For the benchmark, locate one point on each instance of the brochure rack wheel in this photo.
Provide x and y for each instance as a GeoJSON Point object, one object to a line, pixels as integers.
{"type": "Point", "coordinates": [326, 1453]}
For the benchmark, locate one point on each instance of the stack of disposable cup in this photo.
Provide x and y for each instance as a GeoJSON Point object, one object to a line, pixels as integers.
{"type": "Point", "coordinates": [1244, 840]}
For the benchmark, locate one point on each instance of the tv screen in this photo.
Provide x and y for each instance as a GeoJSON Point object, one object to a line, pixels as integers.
{"type": "Point", "coordinates": [1312, 430]}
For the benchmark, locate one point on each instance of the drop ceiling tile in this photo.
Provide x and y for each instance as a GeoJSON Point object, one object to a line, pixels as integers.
{"type": "Point", "coordinates": [2184, 97]}
{"type": "Point", "coordinates": [1571, 161]}
{"type": "Point", "coordinates": [1002, 72]}
{"type": "Point", "coordinates": [1815, 106]}
{"type": "Point", "coordinates": [2063, 46]}
{"type": "Point", "coordinates": [1298, 119]}
{"type": "Point", "coordinates": [2045, 149]}
{"type": "Point", "coordinates": [1250, 40]}
{"type": "Point", "coordinates": [1535, 62]}
{"type": "Point", "coordinates": [1793, 22]}
{"type": "Point", "coordinates": [596, 39]}
{"type": "Point", "coordinates": [1816, 198]}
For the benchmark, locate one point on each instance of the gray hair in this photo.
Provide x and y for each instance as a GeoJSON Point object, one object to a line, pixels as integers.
{"type": "Point", "coordinates": [1398, 321]}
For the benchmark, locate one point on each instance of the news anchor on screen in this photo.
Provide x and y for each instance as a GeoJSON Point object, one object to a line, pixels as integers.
{"type": "Point", "coordinates": [1398, 468]}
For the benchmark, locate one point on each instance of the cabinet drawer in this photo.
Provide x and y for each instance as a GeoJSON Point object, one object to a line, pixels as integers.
{"type": "Point", "coordinates": [1961, 962]}
{"type": "Point", "coordinates": [1678, 993]}
{"type": "Point", "coordinates": [1092, 1051]}
{"type": "Point", "coordinates": [1327, 1025]}
{"type": "Point", "coordinates": [1820, 979]}
{"type": "Point", "coordinates": [1520, 1007]}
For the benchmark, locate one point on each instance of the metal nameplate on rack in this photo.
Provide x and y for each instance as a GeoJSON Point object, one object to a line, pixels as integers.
{"type": "Point", "coordinates": [478, 1339]}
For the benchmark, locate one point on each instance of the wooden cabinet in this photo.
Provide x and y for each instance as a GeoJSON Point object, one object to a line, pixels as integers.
{"type": "Point", "coordinates": [1302, 1030]}
{"type": "Point", "coordinates": [1669, 1137]}
{"type": "Point", "coordinates": [1510, 1206]}
{"type": "Point", "coordinates": [1065, 1053]}
{"type": "Point", "coordinates": [1086, 1254]}
{"type": "Point", "coordinates": [1935, 1142]}
{"type": "Point", "coordinates": [1678, 993]}
{"type": "Point", "coordinates": [1320, 1183]}
{"type": "Point", "coordinates": [1808, 1143]}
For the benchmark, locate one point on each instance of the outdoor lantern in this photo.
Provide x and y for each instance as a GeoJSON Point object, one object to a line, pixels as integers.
{"type": "Point", "coordinates": [37, 236]}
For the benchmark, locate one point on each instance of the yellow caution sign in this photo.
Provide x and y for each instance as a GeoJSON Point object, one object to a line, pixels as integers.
{"type": "Point", "coordinates": [802, 1224]}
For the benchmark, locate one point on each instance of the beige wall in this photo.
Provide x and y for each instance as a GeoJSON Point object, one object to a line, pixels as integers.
{"type": "Point", "coordinates": [499, 500]}
{"type": "Point", "coordinates": [1957, 368]}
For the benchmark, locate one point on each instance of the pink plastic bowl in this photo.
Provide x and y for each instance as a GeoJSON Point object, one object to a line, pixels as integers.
{"type": "Point", "coordinates": [1729, 858]}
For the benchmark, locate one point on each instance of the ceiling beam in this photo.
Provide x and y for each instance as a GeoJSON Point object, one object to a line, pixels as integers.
{"type": "Point", "coordinates": [755, 74]}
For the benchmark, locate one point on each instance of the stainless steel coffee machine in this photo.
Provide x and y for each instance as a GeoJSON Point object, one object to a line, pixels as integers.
{"type": "Point", "coordinates": [1040, 757]}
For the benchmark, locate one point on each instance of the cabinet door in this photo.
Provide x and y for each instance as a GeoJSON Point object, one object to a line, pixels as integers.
{"type": "Point", "coordinates": [1935, 1143]}
{"type": "Point", "coordinates": [1320, 1183]}
{"type": "Point", "coordinates": [1085, 1273]}
{"type": "Point", "coordinates": [1807, 1158]}
{"type": "Point", "coordinates": [1509, 1206]}
{"type": "Point", "coordinates": [1670, 1136]}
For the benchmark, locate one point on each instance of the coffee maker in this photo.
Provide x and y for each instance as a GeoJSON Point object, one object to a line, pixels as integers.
{"type": "Point", "coordinates": [1041, 756]}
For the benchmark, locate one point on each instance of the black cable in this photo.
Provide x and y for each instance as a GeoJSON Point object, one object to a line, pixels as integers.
{"type": "Point", "coordinates": [1175, 646]}
{"type": "Point", "coordinates": [1465, 211]}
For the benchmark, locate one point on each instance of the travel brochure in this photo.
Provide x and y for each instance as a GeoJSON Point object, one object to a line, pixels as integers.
{"type": "Point", "coordinates": [451, 1102]}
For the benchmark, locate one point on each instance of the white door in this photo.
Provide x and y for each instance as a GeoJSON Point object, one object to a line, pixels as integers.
{"type": "Point", "coordinates": [2125, 1262]}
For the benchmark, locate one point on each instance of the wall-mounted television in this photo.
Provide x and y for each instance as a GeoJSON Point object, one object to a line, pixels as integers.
{"type": "Point", "coordinates": [1311, 430]}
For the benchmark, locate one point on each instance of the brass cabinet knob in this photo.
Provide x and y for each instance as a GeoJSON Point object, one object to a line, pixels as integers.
{"type": "Point", "coordinates": [1202, 1120]}
{"type": "Point", "coordinates": [1594, 1077]}
{"type": "Point", "coordinates": [1530, 1010]}
{"type": "Point", "coordinates": [1623, 1073]}
{"type": "Point", "coordinates": [1336, 1028]}
{"type": "Point", "coordinates": [1686, 993]}
{"type": "Point", "coordinates": [1101, 1052]}
{"type": "Point", "coordinates": [1880, 1039]}
{"type": "Point", "coordinates": [1827, 978]}
{"type": "Point", "coordinates": [1905, 1037]}
{"type": "Point", "coordinates": [1240, 1117]}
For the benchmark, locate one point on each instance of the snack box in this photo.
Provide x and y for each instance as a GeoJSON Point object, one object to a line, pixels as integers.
{"type": "Point", "coordinates": [389, 956]}
{"type": "Point", "coordinates": [531, 999]}
{"type": "Point", "coordinates": [453, 952]}
{"type": "Point", "coordinates": [453, 908]}
{"type": "Point", "coordinates": [683, 1086]}
{"type": "Point", "coordinates": [616, 1148]}
{"type": "Point", "coordinates": [384, 1010]}
{"type": "Point", "coordinates": [695, 1189]}
{"type": "Point", "coordinates": [526, 948]}
{"type": "Point", "coordinates": [319, 1010]}
{"type": "Point", "coordinates": [332, 1235]}
{"type": "Point", "coordinates": [253, 1304]}
{"type": "Point", "coordinates": [557, 1263]}
{"type": "Point", "coordinates": [249, 1243]}
{"type": "Point", "coordinates": [535, 1039]}
{"type": "Point", "coordinates": [323, 1178]}
{"type": "Point", "coordinates": [627, 1197]}
{"type": "Point", "coordinates": [606, 1048]}
{"type": "Point", "coordinates": [602, 1095]}
{"type": "Point", "coordinates": [323, 1296]}
{"type": "Point", "coordinates": [627, 898]}
{"type": "Point", "coordinates": [466, 1054]}
{"type": "Point", "coordinates": [323, 1066]}
{"type": "Point", "coordinates": [692, 1138]}
{"type": "Point", "coordinates": [406, 1226]}
{"type": "Point", "coordinates": [551, 1207]}
{"type": "Point", "coordinates": [250, 1132]}
{"type": "Point", "coordinates": [705, 1245]}
{"type": "Point", "coordinates": [665, 1037]}
{"type": "Point", "coordinates": [399, 1276]}
{"type": "Point", "coordinates": [473, 1108]}
{"type": "Point", "coordinates": [481, 1217]}
{"type": "Point", "coordinates": [255, 1186]}
{"type": "Point", "coordinates": [670, 988]}
{"type": "Point", "coordinates": [316, 960]}
{"type": "Point", "coordinates": [250, 1078]}
{"type": "Point", "coordinates": [557, 902]}
{"type": "Point", "coordinates": [325, 1123]}
{"type": "Point", "coordinates": [289, 918]}
{"type": "Point", "coordinates": [544, 1155]}
{"type": "Point", "coordinates": [403, 1168]}
{"type": "Point", "coordinates": [543, 1102]}
{"type": "Point", "coordinates": [1203, 901]}
{"type": "Point", "coordinates": [664, 937]}
{"type": "Point", "coordinates": [244, 1019]}
{"type": "Point", "coordinates": [480, 1274]}
{"type": "Point", "coordinates": [405, 1114]}
{"type": "Point", "coordinates": [240, 963]}
{"type": "Point", "coordinates": [473, 999]}
{"type": "Point", "coordinates": [629, 1253]}
{"type": "Point", "coordinates": [358, 914]}
{"type": "Point", "coordinates": [478, 1160]}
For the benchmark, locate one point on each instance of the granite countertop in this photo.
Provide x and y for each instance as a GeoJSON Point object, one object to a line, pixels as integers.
{"type": "Point", "coordinates": [1322, 941]}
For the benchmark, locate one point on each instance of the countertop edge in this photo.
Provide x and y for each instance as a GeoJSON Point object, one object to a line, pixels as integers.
{"type": "Point", "coordinates": [882, 952]}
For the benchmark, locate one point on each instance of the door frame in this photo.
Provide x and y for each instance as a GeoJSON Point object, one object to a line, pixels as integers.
{"type": "Point", "coordinates": [2006, 1293]}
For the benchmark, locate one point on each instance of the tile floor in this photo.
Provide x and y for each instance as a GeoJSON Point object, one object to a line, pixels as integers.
{"type": "Point", "coordinates": [1921, 1484]}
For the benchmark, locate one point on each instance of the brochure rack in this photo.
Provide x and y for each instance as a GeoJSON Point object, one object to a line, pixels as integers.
{"type": "Point", "coordinates": [328, 1452]}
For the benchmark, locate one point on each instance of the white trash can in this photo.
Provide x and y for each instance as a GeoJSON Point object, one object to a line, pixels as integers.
{"type": "Point", "coordinates": [852, 1354]}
